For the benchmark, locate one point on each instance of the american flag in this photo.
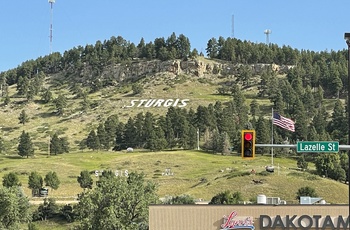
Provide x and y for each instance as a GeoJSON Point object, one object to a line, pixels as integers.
{"type": "Point", "coordinates": [283, 122]}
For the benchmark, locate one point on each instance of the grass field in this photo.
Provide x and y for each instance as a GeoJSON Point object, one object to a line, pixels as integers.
{"type": "Point", "coordinates": [195, 173]}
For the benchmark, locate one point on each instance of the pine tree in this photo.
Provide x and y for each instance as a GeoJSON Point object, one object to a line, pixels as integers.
{"type": "Point", "coordinates": [61, 104]}
{"type": "Point", "coordinates": [92, 141]}
{"type": "Point", "coordinates": [23, 117]}
{"type": "Point", "coordinates": [102, 137]}
{"type": "Point", "coordinates": [110, 128]}
{"type": "Point", "coordinates": [55, 145]}
{"type": "Point", "coordinates": [120, 139]}
{"type": "Point", "coordinates": [25, 146]}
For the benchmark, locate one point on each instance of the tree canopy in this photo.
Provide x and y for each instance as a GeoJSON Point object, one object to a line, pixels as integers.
{"type": "Point", "coordinates": [117, 203]}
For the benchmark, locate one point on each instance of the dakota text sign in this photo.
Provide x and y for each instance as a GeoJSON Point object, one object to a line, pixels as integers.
{"type": "Point", "coordinates": [317, 146]}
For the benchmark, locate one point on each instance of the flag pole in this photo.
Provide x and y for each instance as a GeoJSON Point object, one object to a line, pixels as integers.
{"type": "Point", "coordinates": [272, 137]}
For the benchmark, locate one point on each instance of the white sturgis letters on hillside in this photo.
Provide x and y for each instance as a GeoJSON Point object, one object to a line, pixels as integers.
{"type": "Point", "coordinates": [147, 103]}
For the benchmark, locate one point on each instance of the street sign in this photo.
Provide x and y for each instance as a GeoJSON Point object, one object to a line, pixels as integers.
{"type": "Point", "coordinates": [317, 146]}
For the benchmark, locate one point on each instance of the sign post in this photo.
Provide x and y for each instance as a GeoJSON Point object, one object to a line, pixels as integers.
{"type": "Point", "coordinates": [317, 146]}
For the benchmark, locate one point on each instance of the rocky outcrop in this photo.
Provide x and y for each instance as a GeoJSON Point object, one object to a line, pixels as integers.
{"type": "Point", "coordinates": [196, 67]}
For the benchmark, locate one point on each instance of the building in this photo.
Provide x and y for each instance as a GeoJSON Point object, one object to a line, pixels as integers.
{"type": "Point", "coordinates": [257, 217]}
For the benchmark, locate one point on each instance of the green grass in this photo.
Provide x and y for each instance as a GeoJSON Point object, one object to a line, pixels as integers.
{"type": "Point", "coordinates": [196, 173]}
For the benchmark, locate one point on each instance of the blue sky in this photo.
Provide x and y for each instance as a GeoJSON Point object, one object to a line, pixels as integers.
{"type": "Point", "coordinates": [301, 24]}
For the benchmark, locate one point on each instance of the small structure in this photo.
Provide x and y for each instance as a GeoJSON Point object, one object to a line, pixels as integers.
{"type": "Point", "coordinates": [262, 199]}
{"type": "Point", "coordinates": [311, 200]}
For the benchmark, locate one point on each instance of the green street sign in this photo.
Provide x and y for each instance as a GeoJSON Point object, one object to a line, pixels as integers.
{"type": "Point", "coordinates": [317, 146]}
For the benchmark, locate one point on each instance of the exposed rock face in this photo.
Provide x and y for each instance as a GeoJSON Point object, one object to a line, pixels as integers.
{"type": "Point", "coordinates": [195, 67]}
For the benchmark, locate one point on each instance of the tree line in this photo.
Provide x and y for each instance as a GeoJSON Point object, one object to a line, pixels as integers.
{"type": "Point", "coordinates": [326, 70]}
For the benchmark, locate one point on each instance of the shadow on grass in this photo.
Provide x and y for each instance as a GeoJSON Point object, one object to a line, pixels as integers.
{"type": "Point", "coordinates": [47, 115]}
{"type": "Point", "coordinates": [15, 157]}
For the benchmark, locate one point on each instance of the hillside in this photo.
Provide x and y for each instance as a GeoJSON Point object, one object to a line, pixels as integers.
{"type": "Point", "coordinates": [198, 174]}
{"type": "Point", "coordinates": [197, 82]}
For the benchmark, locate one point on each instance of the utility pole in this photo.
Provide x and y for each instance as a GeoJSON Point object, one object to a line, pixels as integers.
{"type": "Point", "coordinates": [51, 19]}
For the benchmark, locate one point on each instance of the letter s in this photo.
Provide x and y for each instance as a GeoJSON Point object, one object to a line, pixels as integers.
{"type": "Point", "coordinates": [132, 103]}
{"type": "Point", "coordinates": [184, 102]}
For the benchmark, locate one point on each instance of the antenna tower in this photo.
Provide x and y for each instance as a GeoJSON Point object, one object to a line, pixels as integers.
{"type": "Point", "coordinates": [267, 32]}
{"type": "Point", "coordinates": [51, 19]}
{"type": "Point", "coordinates": [233, 26]}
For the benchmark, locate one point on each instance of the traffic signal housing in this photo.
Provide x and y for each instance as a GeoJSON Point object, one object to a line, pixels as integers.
{"type": "Point", "coordinates": [248, 144]}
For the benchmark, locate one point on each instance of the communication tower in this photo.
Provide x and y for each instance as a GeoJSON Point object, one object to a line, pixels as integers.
{"type": "Point", "coordinates": [51, 19]}
{"type": "Point", "coordinates": [233, 26]}
{"type": "Point", "coordinates": [267, 32]}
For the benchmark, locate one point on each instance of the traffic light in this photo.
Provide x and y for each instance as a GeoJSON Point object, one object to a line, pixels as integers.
{"type": "Point", "coordinates": [248, 143]}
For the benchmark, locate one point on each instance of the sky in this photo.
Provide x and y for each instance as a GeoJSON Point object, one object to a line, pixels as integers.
{"type": "Point", "coordinates": [301, 24]}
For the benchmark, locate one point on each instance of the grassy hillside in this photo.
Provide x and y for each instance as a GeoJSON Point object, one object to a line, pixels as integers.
{"type": "Point", "coordinates": [196, 173]}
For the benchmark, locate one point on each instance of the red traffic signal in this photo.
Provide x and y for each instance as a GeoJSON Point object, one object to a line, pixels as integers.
{"type": "Point", "coordinates": [248, 144]}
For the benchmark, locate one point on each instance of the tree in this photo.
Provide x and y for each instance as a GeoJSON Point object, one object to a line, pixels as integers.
{"type": "Point", "coordinates": [102, 137]}
{"type": "Point", "coordinates": [51, 180]}
{"type": "Point", "coordinates": [301, 163]}
{"type": "Point", "coordinates": [92, 141]}
{"type": "Point", "coordinates": [60, 103]}
{"type": "Point", "coordinates": [14, 208]}
{"type": "Point", "coordinates": [55, 145]}
{"type": "Point", "coordinates": [58, 145]}
{"type": "Point", "coordinates": [2, 145]}
{"type": "Point", "coordinates": [46, 96]}
{"type": "Point", "coordinates": [10, 180]}
{"type": "Point", "coordinates": [110, 128]}
{"type": "Point", "coordinates": [182, 199]}
{"type": "Point", "coordinates": [117, 203]}
{"type": "Point", "coordinates": [137, 89]}
{"type": "Point", "coordinates": [23, 117]}
{"type": "Point", "coordinates": [306, 191]}
{"type": "Point", "coordinates": [25, 146]}
{"type": "Point", "coordinates": [47, 210]}
{"type": "Point", "coordinates": [85, 180]}
{"type": "Point", "coordinates": [227, 197]}
{"type": "Point", "coordinates": [35, 183]}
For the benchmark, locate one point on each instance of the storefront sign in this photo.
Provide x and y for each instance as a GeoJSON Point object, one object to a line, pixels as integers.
{"type": "Point", "coordinates": [303, 222]}
{"type": "Point", "coordinates": [147, 103]}
{"type": "Point", "coordinates": [231, 222]}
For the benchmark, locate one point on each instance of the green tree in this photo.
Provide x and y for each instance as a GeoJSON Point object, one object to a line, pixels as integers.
{"type": "Point", "coordinates": [7, 100]}
{"type": "Point", "coordinates": [47, 210]}
{"type": "Point", "coordinates": [183, 46]}
{"type": "Point", "coordinates": [2, 145]}
{"type": "Point", "coordinates": [60, 104]}
{"type": "Point", "coordinates": [262, 133]}
{"type": "Point", "coordinates": [124, 206]}
{"type": "Point", "coordinates": [10, 180]}
{"type": "Point", "coordinates": [14, 208]}
{"type": "Point", "coordinates": [227, 197]}
{"type": "Point", "coordinates": [92, 141]}
{"type": "Point", "coordinates": [85, 181]}
{"type": "Point", "coordinates": [301, 163]}
{"type": "Point", "coordinates": [137, 89]}
{"type": "Point", "coordinates": [22, 85]}
{"type": "Point", "coordinates": [23, 117]}
{"type": "Point", "coordinates": [110, 128]}
{"type": "Point", "coordinates": [212, 48]}
{"type": "Point", "coordinates": [35, 183]}
{"type": "Point", "coordinates": [25, 146]}
{"type": "Point", "coordinates": [46, 96]}
{"type": "Point", "coordinates": [306, 191]}
{"type": "Point", "coordinates": [182, 199]}
{"type": "Point", "coordinates": [51, 180]}
{"type": "Point", "coordinates": [102, 136]}
{"type": "Point", "coordinates": [55, 145]}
